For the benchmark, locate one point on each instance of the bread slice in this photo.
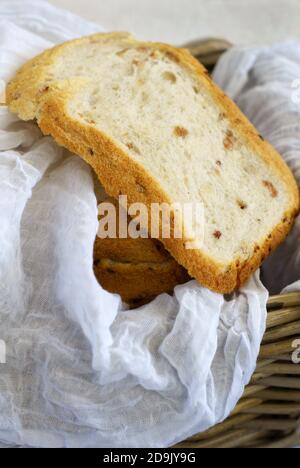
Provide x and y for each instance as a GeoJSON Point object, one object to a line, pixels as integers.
{"type": "Point", "coordinates": [137, 269]}
{"type": "Point", "coordinates": [128, 250]}
{"type": "Point", "coordinates": [153, 125]}
{"type": "Point", "coordinates": [139, 283]}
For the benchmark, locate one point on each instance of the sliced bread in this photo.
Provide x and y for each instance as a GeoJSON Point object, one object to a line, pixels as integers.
{"type": "Point", "coordinates": [153, 125]}
{"type": "Point", "coordinates": [138, 283]}
{"type": "Point", "coordinates": [137, 269]}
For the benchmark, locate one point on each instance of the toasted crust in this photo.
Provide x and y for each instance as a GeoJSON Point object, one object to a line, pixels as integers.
{"type": "Point", "coordinates": [134, 251]}
{"type": "Point", "coordinates": [120, 174]}
{"type": "Point", "coordinates": [138, 282]}
{"type": "Point", "coordinates": [131, 250]}
{"type": "Point", "coordinates": [136, 269]}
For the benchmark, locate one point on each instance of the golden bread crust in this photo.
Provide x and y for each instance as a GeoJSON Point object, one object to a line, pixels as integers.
{"type": "Point", "coordinates": [140, 250]}
{"type": "Point", "coordinates": [136, 269]}
{"type": "Point", "coordinates": [139, 282]}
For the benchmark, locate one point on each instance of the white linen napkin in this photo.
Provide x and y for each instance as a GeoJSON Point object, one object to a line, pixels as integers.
{"type": "Point", "coordinates": [81, 370]}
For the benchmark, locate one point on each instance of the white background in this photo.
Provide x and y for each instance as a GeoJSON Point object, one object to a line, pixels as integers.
{"type": "Point", "coordinates": [177, 21]}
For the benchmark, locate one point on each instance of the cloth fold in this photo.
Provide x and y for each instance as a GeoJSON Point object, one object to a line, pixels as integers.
{"type": "Point", "coordinates": [81, 370]}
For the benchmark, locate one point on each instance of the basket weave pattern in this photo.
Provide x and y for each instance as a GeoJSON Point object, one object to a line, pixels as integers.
{"type": "Point", "coordinates": [268, 415]}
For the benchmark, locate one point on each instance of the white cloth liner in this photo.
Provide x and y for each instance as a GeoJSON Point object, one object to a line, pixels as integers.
{"type": "Point", "coordinates": [81, 370]}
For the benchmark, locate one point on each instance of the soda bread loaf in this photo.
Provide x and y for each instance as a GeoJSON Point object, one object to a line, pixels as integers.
{"type": "Point", "coordinates": [150, 121]}
{"type": "Point", "coordinates": [137, 269]}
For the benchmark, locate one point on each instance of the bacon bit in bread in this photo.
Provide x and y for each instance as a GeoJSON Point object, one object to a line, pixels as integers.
{"type": "Point", "coordinates": [122, 52]}
{"type": "Point", "coordinates": [133, 147]}
{"type": "Point", "coordinates": [169, 76]}
{"type": "Point", "coordinates": [172, 57]}
{"type": "Point", "coordinates": [181, 132]}
{"type": "Point", "coordinates": [222, 116]}
{"type": "Point", "coordinates": [256, 248]}
{"type": "Point", "coordinates": [142, 49]}
{"type": "Point", "coordinates": [154, 54]}
{"type": "Point", "coordinates": [87, 119]}
{"type": "Point", "coordinates": [271, 188]}
{"type": "Point", "coordinates": [218, 163]}
{"type": "Point", "coordinates": [217, 234]}
{"type": "Point", "coordinates": [229, 140]}
{"type": "Point", "coordinates": [135, 62]}
{"type": "Point", "coordinates": [242, 204]}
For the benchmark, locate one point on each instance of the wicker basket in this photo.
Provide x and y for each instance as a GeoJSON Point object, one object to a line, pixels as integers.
{"type": "Point", "coordinates": [268, 415]}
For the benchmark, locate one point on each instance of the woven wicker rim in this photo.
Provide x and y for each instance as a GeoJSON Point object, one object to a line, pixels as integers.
{"type": "Point", "coordinates": [268, 415]}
